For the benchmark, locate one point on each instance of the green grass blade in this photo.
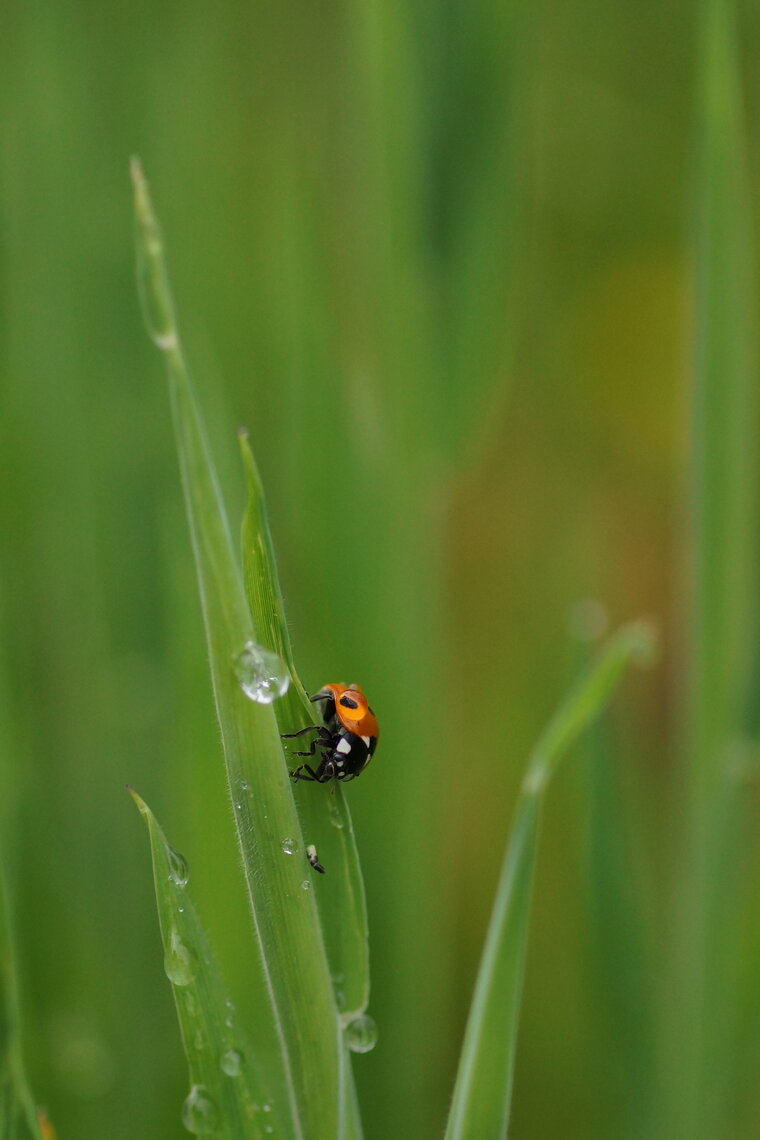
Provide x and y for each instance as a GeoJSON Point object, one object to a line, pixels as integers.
{"type": "Point", "coordinates": [723, 408]}
{"type": "Point", "coordinates": [484, 282]}
{"type": "Point", "coordinates": [483, 1090]}
{"type": "Point", "coordinates": [619, 930]}
{"type": "Point", "coordinates": [18, 1115]}
{"type": "Point", "coordinates": [268, 829]}
{"type": "Point", "coordinates": [227, 1081]}
{"type": "Point", "coordinates": [701, 1014]}
{"type": "Point", "coordinates": [324, 813]}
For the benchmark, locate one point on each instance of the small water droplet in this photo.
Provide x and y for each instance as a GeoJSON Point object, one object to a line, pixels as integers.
{"type": "Point", "coordinates": [263, 676]}
{"type": "Point", "coordinates": [180, 961]}
{"type": "Point", "coordinates": [232, 1062]}
{"type": "Point", "coordinates": [178, 872]}
{"type": "Point", "coordinates": [243, 785]}
{"type": "Point", "coordinates": [361, 1034]}
{"type": "Point", "coordinates": [336, 818]}
{"type": "Point", "coordinates": [306, 885]}
{"type": "Point", "coordinates": [181, 909]}
{"type": "Point", "coordinates": [238, 807]}
{"type": "Point", "coordinates": [289, 846]}
{"type": "Point", "coordinates": [266, 1108]}
{"type": "Point", "coordinates": [199, 1114]}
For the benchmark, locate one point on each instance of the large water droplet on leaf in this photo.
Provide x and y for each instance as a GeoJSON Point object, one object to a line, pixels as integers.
{"type": "Point", "coordinates": [263, 676]}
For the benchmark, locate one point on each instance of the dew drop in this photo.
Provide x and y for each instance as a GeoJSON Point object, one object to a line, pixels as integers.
{"type": "Point", "coordinates": [180, 961]}
{"type": "Point", "coordinates": [306, 885]}
{"type": "Point", "coordinates": [199, 1114]}
{"type": "Point", "coordinates": [289, 846]}
{"type": "Point", "coordinates": [178, 872]}
{"type": "Point", "coordinates": [232, 1062]}
{"type": "Point", "coordinates": [361, 1034]}
{"type": "Point", "coordinates": [336, 818]}
{"type": "Point", "coordinates": [263, 676]}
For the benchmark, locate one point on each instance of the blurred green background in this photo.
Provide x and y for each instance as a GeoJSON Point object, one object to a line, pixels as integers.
{"type": "Point", "coordinates": [438, 258]}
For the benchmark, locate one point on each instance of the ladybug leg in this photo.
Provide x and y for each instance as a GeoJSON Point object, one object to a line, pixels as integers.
{"type": "Point", "coordinates": [309, 728]}
{"type": "Point", "coordinates": [298, 773]}
{"type": "Point", "coordinates": [322, 738]}
{"type": "Point", "coordinates": [310, 751]}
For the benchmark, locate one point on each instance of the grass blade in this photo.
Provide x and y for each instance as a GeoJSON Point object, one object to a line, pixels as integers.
{"type": "Point", "coordinates": [228, 1094]}
{"type": "Point", "coordinates": [18, 1115]}
{"type": "Point", "coordinates": [483, 1090]}
{"type": "Point", "coordinates": [324, 813]}
{"type": "Point", "coordinates": [723, 408]}
{"type": "Point", "coordinates": [268, 829]}
{"type": "Point", "coordinates": [710, 903]}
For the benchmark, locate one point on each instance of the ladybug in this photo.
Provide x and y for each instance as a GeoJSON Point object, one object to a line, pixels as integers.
{"type": "Point", "coordinates": [347, 738]}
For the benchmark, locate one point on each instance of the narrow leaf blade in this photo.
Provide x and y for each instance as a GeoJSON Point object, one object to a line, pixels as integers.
{"type": "Point", "coordinates": [222, 1064]}
{"type": "Point", "coordinates": [18, 1116]}
{"type": "Point", "coordinates": [483, 1090]}
{"type": "Point", "coordinates": [324, 812]}
{"type": "Point", "coordinates": [699, 1087]}
{"type": "Point", "coordinates": [268, 828]}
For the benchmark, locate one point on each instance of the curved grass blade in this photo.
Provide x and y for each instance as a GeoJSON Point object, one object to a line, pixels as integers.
{"type": "Point", "coordinates": [227, 1089]}
{"type": "Point", "coordinates": [268, 829]}
{"type": "Point", "coordinates": [18, 1115]}
{"type": "Point", "coordinates": [483, 1090]}
{"type": "Point", "coordinates": [325, 818]}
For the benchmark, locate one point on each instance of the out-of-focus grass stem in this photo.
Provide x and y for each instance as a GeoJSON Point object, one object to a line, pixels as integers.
{"type": "Point", "coordinates": [722, 585]}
